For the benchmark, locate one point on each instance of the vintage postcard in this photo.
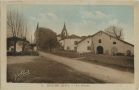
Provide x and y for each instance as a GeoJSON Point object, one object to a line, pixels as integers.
{"type": "Point", "coordinates": [69, 45]}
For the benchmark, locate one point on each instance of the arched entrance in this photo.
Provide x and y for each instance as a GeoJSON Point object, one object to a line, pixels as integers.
{"type": "Point", "coordinates": [99, 50]}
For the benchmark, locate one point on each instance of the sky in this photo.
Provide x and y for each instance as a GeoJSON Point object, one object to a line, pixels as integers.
{"type": "Point", "coordinates": [82, 20]}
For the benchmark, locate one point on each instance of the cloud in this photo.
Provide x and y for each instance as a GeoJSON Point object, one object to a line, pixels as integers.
{"type": "Point", "coordinates": [90, 22]}
{"type": "Point", "coordinates": [52, 15]}
{"type": "Point", "coordinates": [95, 15]}
{"type": "Point", "coordinates": [100, 14]}
{"type": "Point", "coordinates": [114, 22]}
{"type": "Point", "coordinates": [33, 18]}
{"type": "Point", "coordinates": [44, 16]}
{"type": "Point", "coordinates": [117, 23]}
{"type": "Point", "coordinates": [48, 16]}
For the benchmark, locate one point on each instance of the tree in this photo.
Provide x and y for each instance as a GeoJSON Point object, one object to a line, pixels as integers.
{"type": "Point", "coordinates": [46, 39]}
{"type": "Point", "coordinates": [117, 32]}
{"type": "Point", "coordinates": [24, 39]}
{"type": "Point", "coordinates": [16, 26]}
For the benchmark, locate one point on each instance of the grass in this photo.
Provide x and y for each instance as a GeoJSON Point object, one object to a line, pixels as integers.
{"type": "Point", "coordinates": [114, 66]}
{"type": "Point", "coordinates": [123, 63]}
{"type": "Point", "coordinates": [43, 70]}
{"type": "Point", "coordinates": [69, 54]}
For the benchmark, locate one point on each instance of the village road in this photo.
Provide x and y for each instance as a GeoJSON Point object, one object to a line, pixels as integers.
{"type": "Point", "coordinates": [103, 73]}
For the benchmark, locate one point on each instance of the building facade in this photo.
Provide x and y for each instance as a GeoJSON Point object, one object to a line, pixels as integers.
{"type": "Point", "coordinates": [98, 43]}
{"type": "Point", "coordinates": [103, 43]}
{"type": "Point", "coordinates": [70, 43]}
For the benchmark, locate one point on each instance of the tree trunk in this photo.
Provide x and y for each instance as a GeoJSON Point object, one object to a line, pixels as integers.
{"type": "Point", "coordinates": [50, 49]}
{"type": "Point", "coordinates": [23, 47]}
{"type": "Point", "coordinates": [15, 46]}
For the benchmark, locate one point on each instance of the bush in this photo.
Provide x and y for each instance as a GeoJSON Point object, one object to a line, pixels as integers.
{"type": "Point", "coordinates": [70, 54]}
{"type": "Point", "coordinates": [30, 53]}
{"type": "Point", "coordinates": [13, 54]}
{"type": "Point", "coordinates": [120, 54]}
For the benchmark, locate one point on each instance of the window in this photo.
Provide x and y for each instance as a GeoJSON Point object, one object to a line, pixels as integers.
{"type": "Point", "coordinates": [75, 42]}
{"type": "Point", "coordinates": [68, 48]}
{"type": "Point", "coordinates": [88, 48]}
{"type": "Point", "coordinates": [99, 41]}
{"type": "Point", "coordinates": [114, 42]}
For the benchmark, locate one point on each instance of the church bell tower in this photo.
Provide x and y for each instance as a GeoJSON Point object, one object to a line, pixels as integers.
{"type": "Point", "coordinates": [64, 33]}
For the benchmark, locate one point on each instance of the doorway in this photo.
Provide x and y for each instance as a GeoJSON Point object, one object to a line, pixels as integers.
{"type": "Point", "coordinates": [99, 50]}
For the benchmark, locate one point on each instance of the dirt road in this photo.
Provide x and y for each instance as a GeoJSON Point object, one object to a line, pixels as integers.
{"type": "Point", "coordinates": [96, 71]}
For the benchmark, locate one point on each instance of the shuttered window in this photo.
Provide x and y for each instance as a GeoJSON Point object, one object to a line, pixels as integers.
{"type": "Point", "coordinates": [99, 41]}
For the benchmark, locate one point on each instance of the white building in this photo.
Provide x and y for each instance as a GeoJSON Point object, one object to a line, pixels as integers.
{"type": "Point", "coordinates": [70, 43]}
{"type": "Point", "coordinates": [103, 43]}
{"type": "Point", "coordinates": [99, 43]}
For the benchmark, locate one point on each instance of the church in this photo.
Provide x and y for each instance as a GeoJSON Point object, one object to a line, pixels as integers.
{"type": "Point", "coordinates": [98, 43]}
{"type": "Point", "coordinates": [68, 42]}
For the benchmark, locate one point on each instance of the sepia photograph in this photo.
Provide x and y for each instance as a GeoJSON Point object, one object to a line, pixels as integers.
{"type": "Point", "coordinates": [88, 44]}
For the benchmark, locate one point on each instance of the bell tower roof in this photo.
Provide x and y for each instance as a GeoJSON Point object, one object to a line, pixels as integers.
{"type": "Point", "coordinates": [64, 28]}
{"type": "Point", "coordinates": [37, 25]}
{"type": "Point", "coordinates": [64, 33]}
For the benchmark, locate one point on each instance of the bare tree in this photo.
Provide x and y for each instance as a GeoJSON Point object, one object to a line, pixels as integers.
{"type": "Point", "coordinates": [24, 34]}
{"type": "Point", "coordinates": [115, 31]}
{"type": "Point", "coordinates": [16, 25]}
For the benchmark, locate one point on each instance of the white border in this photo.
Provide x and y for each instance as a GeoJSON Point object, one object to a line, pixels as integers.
{"type": "Point", "coordinates": [28, 86]}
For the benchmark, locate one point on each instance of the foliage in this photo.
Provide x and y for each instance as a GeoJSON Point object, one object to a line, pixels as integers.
{"type": "Point", "coordinates": [30, 53]}
{"type": "Point", "coordinates": [46, 39]}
